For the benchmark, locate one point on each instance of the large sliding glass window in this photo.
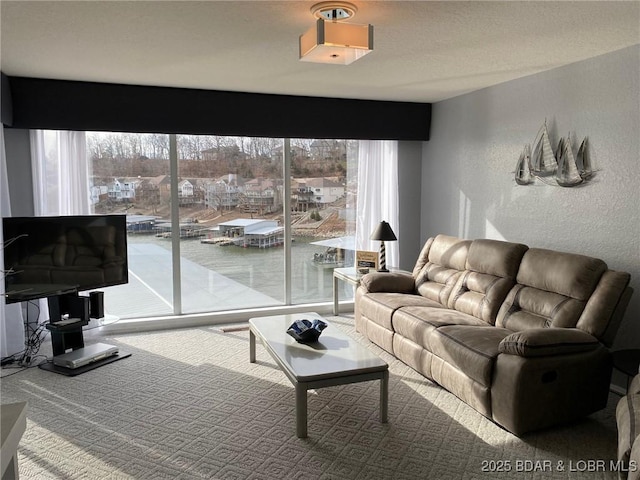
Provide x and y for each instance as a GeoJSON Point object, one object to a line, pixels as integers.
{"type": "Point", "coordinates": [323, 203]}
{"type": "Point", "coordinates": [231, 204]}
{"type": "Point", "coordinates": [223, 219]}
{"type": "Point", "coordinates": [130, 175]}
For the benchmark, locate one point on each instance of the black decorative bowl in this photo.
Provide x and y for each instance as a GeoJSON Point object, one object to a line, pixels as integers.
{"type": "Point", "coordinates": [306, 331]}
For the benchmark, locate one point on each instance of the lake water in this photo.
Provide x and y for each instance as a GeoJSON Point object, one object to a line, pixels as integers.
{"type": "Point", "coordinates": [237, 277]}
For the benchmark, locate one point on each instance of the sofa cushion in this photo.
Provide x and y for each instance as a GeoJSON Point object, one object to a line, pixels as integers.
{"type": "Point", "coordinates": [480, 295]}
{"type": "Point", "coordinates": [445, 262]}
{"type": "Point", "coordinates": [568, 274]}
{"type": "Point", "coordinates": [471, 349]}
{"type": "Point", "coordinates": [379, 307]}
{"type": "Point", "coordinates": [495, 257]}
{"type": "Point", "coordinates": [491, 269]}
{"type": "Point", "coordinates": [552, 290]}
{"type": "Point", "coordinates": [418, 323]}
{"type": "Point", "coordinates": [449, 251]}
{"type": "Point", "coordinates": [527, 307]}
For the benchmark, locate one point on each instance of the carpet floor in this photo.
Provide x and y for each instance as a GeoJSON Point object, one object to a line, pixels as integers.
{"type": "Point", "coordinates": [188, 405]}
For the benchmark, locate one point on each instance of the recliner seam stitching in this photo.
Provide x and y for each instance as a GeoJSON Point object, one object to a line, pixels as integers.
{"type": "Point", "coordinates": [557, 308]}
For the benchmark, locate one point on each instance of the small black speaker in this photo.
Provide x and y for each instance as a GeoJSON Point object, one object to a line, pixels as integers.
{"type": "Point", "coordinates": [96, 307]}
{"type": "Point", "coordinates": [79, 308]}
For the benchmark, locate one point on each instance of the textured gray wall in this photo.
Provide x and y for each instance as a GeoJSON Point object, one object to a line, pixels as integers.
{"type": "Point", "coordinates": [468, 188]}
{"type": "Point", "coordinates": [409, 182]}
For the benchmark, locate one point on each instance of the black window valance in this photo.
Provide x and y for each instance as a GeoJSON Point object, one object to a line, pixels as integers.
{"type": "Point", "coordinates": [33, 103]}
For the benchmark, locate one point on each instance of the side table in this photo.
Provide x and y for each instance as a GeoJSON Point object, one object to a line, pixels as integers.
{"type": "Point", "coordinates": [346, 274]}
{"type": "Point", "coordinates": [627, 362]}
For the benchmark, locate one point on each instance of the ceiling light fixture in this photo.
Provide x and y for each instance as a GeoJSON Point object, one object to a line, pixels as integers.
{"type": "Point", "coordinates": [332, 41]}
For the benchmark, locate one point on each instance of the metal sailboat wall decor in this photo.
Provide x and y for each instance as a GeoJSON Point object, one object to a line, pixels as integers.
{"type": "Point", "coordinates": [583, 161]}
{"type": "Point", "coordinates": [523, 167]}
{"type": "Point", "coordinates": [560, 168]}
{"type": "Point", "coordinates": [567, 174]}
{"type": "Point", "coordinates": [543, 161]}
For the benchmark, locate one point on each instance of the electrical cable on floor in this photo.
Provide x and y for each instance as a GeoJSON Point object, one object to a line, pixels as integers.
{"type": "Point", "coordinates": [34, 336]}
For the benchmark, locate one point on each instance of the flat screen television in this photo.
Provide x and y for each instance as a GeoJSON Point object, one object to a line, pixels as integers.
{"type": "Point", "coordinates": [50, 256]}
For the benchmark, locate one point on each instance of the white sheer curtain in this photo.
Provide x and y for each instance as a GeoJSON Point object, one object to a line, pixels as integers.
{"type": "Point", "coordinates": [377, 194]}
{"type": "Point", "coordinates": [60, 173]}
{"type": "Point", "coordinates": [60, 178]}
{"type": "Point", "coordinates": [11, 323]}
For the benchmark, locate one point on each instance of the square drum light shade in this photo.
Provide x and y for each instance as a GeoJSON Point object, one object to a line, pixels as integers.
{"type": "Point", "coordinates": [336, 42]}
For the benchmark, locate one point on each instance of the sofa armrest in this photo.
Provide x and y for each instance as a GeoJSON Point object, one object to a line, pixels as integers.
{"type": "Point", "coordinates": [628, 424]}
{"type": "Point", "coordinates": [541, 342]}
{"type": "Point", "coordinates": [393, 282]}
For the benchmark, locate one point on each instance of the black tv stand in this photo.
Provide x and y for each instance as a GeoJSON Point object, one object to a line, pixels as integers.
{"type": "Point", "coordinates": [72, 372]}
{"type": "Point", "coordinates": [66, 333]}
{"type": "Point", "coordinates": [66, 336]}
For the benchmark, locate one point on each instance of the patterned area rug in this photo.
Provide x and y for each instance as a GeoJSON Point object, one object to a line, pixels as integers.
{"type": "Point", "coordinates": [188, 405]}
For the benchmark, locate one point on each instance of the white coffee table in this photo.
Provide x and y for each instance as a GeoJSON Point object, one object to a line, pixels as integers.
{"type": "Point", "coordinates": [13, 423]}
{"type": "Point", "coordinates": [335, 359]}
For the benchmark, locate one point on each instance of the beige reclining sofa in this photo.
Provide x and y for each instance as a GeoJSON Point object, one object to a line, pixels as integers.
{"type": "Point", "coordinates": [520, 334]}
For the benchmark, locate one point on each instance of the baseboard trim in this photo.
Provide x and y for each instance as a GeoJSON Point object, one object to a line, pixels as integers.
{"type": "Point", "coordinates": [215, 318]}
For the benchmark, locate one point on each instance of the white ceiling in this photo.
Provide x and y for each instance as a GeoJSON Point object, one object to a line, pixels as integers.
{"type": "Point", "coordinates": [424, 51]}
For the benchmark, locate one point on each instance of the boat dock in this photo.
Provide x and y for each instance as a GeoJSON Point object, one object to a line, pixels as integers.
{"type": "Point", "coordinates": [187, 230]}
{"type": "Point", "coordinates": [222, 241]}
{"type": "Point", "coordinates": [246, 233]}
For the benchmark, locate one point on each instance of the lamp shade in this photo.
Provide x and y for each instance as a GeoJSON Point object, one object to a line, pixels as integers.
{"type": "Point", "coordinates": [383, 232]}
{"type": "Point", "coordinates": [336, 42]}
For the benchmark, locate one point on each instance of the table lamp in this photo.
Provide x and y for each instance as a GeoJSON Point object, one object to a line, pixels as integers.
{"type": "Point", "coordinates": [383, 233]}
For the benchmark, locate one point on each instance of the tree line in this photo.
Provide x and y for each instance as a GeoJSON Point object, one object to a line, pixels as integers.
{"type": "Point", "coordinates": [200, 156]}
